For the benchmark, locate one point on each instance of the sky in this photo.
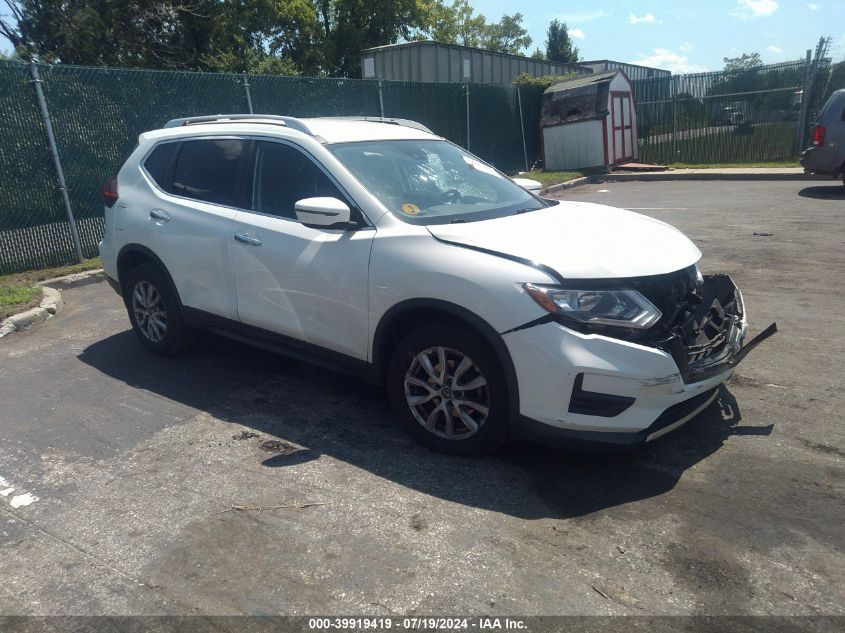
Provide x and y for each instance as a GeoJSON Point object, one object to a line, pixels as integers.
{"type": "Point", "coordinates": [683, 36]}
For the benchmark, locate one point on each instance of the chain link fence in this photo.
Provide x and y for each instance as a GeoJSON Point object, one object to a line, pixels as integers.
{"type": "Point", "coordinates": [98, 113]}
{"type": "Point", "coordinates": [759, 114]}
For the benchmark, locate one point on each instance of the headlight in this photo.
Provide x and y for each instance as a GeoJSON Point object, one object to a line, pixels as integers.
{"type": "Point", "coordinates": [619, 308]}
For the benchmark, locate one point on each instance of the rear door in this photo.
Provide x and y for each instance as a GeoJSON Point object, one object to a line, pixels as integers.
{"type": "Point", "coordinates": [198, 185]}
{"type": "Point", "coordinates": [303, 283]}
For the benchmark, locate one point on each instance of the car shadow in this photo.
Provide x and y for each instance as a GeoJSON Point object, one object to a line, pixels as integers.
{"type": "Point", "coordinates": [829, 192]}
{"type": "Point", "coordinates": [349, 420]}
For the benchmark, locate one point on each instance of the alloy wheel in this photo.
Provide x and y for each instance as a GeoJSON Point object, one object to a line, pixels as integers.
{"type": "Point", "coordinates": [447, 393]}
{"type": "Point", "coordinates": [149, 310]}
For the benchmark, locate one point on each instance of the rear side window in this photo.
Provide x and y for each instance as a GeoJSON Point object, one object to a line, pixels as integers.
{"type": "Point", "coordinates": [159, 162]}
{"type": "Point", "coordinates": [284, 175]}
{"type": "Point", "coordinates": [208, 170]}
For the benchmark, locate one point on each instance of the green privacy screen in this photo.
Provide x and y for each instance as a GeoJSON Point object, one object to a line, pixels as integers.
{"type": "Point", "coordinates": [98, 113]}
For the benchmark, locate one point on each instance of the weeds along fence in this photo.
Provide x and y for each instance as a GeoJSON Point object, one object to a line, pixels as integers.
{"type": "Point", "coordinates": [756, 115]}
{"type": "Point", "coordinates": [97, 114]}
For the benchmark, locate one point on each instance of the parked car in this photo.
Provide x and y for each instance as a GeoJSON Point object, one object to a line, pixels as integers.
{"type": "Point", "coordinates": [734, 113]}
{"type": "Point", "coordinates": [827, 155]}
{"type": "Point", "coordinates": [380, 249]}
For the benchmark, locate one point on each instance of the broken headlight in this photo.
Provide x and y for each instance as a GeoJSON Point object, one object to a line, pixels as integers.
{"type": "Point", "coordinates": [612, 307]}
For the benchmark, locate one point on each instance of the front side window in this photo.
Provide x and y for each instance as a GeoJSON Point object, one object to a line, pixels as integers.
{"type": "Point", "coordinates": [433, 182]}
{"type": "Point", "coordinates": [283, 176]}
{"type": "Point", "coordinates": [208, 170]}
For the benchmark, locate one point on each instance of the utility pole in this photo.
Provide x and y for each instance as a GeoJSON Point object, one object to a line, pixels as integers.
{"type": "Point", "coordinates": [54, 152]}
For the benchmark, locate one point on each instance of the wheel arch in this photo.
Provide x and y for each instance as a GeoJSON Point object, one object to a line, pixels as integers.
{"type": "Point", "coordinates": [131, 255]}
{"type": "Point", "coordinates": [412, 312]}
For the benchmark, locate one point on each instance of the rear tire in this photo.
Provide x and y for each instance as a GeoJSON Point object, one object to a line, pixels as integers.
{"type": "Point", "coordinates": [155, 312]}
{"type": "Point", "coordinates": [448, 389]}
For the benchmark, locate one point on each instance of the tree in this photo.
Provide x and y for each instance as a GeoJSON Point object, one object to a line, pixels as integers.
{"type": "Point", "coordinates": [747, 61]}
{"type": "Point", "coordinates": [459, 24]}
{"type": "Point", "coordinates": [349, 26]}
{"type": "Point", "coordinates": [454, 24]}
{"type": "Point", "coordinates": [314, 37]}
{"type": "Point", "coordinates": [507, 35]}
{"type": "Point", "coordinates": [524, 79]}
{"type": "Point", "coordinates": [559, 46]}
{"type": "Point", "coordinates": [180, 34]}
{"type": "Point", "coordinates": [538, 53]}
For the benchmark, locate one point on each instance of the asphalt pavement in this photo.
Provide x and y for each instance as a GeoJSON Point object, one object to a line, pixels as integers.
{"type": "Point", "coordinates": [233, 481]}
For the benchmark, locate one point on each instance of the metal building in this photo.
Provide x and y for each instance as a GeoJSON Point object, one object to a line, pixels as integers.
{"type": "Point", "coordinates": [633, 71]}
{"type": "Point", "coordinates": [589, 122]}
{"type": "Point", "coordinates": [434, 61]}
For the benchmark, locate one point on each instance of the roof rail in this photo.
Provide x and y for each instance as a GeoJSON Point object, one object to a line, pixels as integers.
{"type": "Point", "coordinates": [381, 119]}
{"type": "Point", "coordinates": [272, 119]}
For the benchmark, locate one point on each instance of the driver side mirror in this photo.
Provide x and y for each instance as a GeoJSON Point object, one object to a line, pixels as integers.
{"type": "Point", "coordinates": [322, 213]}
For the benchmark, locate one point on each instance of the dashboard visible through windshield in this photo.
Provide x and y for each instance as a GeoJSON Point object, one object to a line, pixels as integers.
{"type": "Point", "coordinates": [433, 182]}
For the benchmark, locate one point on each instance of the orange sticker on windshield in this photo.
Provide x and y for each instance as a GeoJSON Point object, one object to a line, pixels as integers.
{"type": "Point", "coordinates": [410, 209]}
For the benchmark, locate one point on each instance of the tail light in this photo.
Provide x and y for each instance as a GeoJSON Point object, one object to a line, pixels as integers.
{"type": "Point", "coordinates": [818, 136]}
{"type": "Point", "coordinates": [109, 192]}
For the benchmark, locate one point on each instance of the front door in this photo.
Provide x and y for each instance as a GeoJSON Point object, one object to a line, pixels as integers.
{"type": "Point", "coordinates": [304, 283]}
{"type": "Point", "coordinates": [623, 127]}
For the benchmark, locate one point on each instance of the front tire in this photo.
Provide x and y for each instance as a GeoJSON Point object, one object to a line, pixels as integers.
{"type": "Point", "coordinates": [155, 312]}
{"type": "Point", "coordinates": [448, 390]}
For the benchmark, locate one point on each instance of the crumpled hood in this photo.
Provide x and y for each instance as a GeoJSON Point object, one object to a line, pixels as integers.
{"type": "Point", "coordinates": [581, 240]}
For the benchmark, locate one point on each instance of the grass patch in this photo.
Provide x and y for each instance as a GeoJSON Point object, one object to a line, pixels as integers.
{"type": "Point", "coordinates": [18, 291]}
{"type": "Point", "coordinates": [14, 299]}
{"type": "Point", "coordinates": [31, 277]}
{"type": "Point", "coordinates": [552, 177]}
{"type": "Point", "coordinates": [757, 144]}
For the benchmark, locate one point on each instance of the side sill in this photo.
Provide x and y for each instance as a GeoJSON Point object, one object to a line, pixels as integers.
{"type": "Point", "coordinates": [115, 285]}
{"type": "Point", "coordinates": [281, 344]}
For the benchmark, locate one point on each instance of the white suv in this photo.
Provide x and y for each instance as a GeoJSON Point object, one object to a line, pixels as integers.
{"type": "Point", "coordinates": [378, 248]}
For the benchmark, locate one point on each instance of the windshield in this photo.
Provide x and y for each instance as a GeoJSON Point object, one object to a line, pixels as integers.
{"type": "Point", "coordinates": [433, 182]}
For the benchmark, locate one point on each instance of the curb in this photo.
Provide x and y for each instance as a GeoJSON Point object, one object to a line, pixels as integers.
{"type": "Point", "coordinates": [51, 303]}
{"type": "Point", "coordinates": [666, 176]}
{"type": "Point", "coordinates": [671, 175]}
{"type": "Point", "coordinates": [75, 280]}
{"type": "Point", "coordinates": [575, 182]}
{"type": "Point", "coordinates": [51, 300]}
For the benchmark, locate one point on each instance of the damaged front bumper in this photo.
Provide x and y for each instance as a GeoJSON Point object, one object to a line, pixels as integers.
{"type": "Point", "coordinates": [710, 340]}
{"type": "Point", "coordinates": [591, 386]}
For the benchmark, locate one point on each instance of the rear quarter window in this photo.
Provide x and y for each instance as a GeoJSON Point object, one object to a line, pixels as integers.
{"type": "Point", "coordinates": [160, 162]}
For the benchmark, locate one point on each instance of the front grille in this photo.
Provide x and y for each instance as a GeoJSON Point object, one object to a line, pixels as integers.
{"type": "Point", "coordinates": [700, 322]}
{"type": "Point", "coordinates": [706, 332]}
{"type": "Point", "coordinates": [671, 293]}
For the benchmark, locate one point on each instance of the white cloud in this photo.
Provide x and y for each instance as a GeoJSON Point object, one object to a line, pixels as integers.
{"type": "Point", "coordinates": [746, 9]}
{"type": "Point", "coordinates": [578, 34]}
{"type": "Point", "coordinates": [669, 60]}
{"type": "Point", "coordinates": [812, 6]}
{"type": "Point", "coordinates": [583, 16]}
{"type": "Point", "coordinates": [648, 18]}
{"type": "Point", "coordinates": [774, 49]}
{"type": "Point", "coordinates": [686, 47]}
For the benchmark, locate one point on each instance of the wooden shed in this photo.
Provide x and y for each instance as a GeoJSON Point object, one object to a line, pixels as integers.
{"type": "Point", "coordinates": [589, 121]}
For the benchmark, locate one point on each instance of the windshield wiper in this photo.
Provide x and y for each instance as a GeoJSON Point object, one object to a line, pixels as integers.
{"type": "Point", "coordinates": [526, 210]}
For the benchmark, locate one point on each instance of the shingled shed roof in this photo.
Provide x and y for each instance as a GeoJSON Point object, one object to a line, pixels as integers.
{"type": "Point", "coordinates": [580, 99]}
